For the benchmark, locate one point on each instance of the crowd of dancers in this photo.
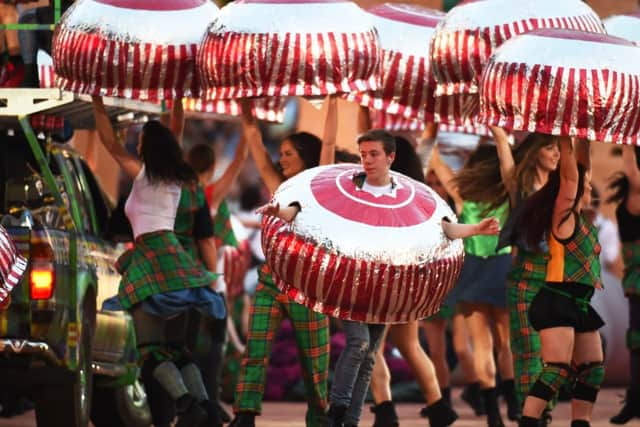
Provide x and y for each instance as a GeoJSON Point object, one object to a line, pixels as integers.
{"type": "Point", "coordinates": [522, 299]}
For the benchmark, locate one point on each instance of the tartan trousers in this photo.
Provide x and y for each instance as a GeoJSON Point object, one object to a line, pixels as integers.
{"type": "Point", "coordinates": [525, 341]}
{"type": "Point", "coordinates": [312, 337]}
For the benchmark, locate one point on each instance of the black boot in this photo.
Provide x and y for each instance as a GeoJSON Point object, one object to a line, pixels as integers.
{"type": "Point", "coordinates": [528, 421]}
{"type": "Point", "coordinates": [471, 395]}
{"type": "Point", "coordinates": [490, 398]}
{"type": "Point", "coordinates": [191, 413]}
{"type": "Point", "coordinates": [631, 408]}
{"type": "Point", "coordinates": [508, 389]}
{"type": "Point", "coordinates": [545, 419]}
{"type": "Point", "coordinates": [385, 415]}
{"type": "Point", "coordinates": [580, 423]}
{"type": "Point", "coordinates": [244, 419]}
{"type": "Point", "coordinates": [441, 415]}
{"type": "Point", "coordinates": [446, 395]}
{"type": "Point", "coordinates": [336, 415]}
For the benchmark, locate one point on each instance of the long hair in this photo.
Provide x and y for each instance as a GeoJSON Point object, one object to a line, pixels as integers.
{"type": "Point", "coordinates": [307, 146]}
{"type": "Point", "coordinates": [162, 156]}
{"type": "Point", "coordinates": [619, 184]}
{"type": "Point", "coordinates": [480, 179]}
{"type": "Point", "coordinates": [537, 209]}
{"type": "Point", "coordinates": [407, 161]}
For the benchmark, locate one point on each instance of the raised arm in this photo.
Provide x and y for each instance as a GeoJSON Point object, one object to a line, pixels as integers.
{"type": "Point", "coordinates": [562, 225]}
{"type": "Point", "coordinates": [328, 150]}
{"type": "Point", "coordinates": [427, 143]}
{"type": "Point", "coordinates": [630, 167]}
{"type": "Point", "coordinates": [129, 164]}
{"type": "Point", "coordinates": [222, 186]}
{"type": "Point", "coordinates": [507, 164]}
{"type": "Point", "coordinates": [266, 168]}
{"type": "Point", "coordinates": [176, 123]}
{"type": "Point", "coordinates": [364, 119]}
{"type": "Point", "coordinates": [446, 177]}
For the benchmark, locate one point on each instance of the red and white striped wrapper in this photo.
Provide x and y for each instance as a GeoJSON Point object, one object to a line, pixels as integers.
{"type": "Point", "coordinates": [393, 123]}
{"type": "Point", "coordinates": [12, 265]}
{"type": "Point", "coordinates": [352, 255]}
{"type": "Point", "coordinates": [407, 89]}
{"type": "Point", "coordinates": [563, 82]}
{"type": "Point", "coordinates": [137, 49]}
{"type": "Point", "coordinates": [471, 32]}
{"type": "Point", "coordinates": [236, 264]}
{"type": "Point", "coordinates": [266, 109]}
{"type": "Point", "coordinates": [278, 48]}
{"type": "Point", "coordinates": [624, 26]}
{"type": "Point", "coordinates": [46, 73]}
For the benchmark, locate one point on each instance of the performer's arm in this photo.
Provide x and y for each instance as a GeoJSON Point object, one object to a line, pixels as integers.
{"type": "Point", "coordinates": [563, 226]}
{"type": "Point", "coordinates": [488, 226]}
{"type": "Point", "coordinates": [129, 164]}
{"type": "Point", "coordinates": [266, 168]}
{"type": "Point", "coordinates": [507, 163]}
{"type": "Point", "coordinates": [446, 176]}
{"type": "Point", "coordinates": [287, 214]}
{"type": "Point", "coordinates": [328, 150]}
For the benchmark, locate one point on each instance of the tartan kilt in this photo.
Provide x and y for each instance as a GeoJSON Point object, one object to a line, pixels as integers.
{"type": "Point", "coordinates": [158, 263]}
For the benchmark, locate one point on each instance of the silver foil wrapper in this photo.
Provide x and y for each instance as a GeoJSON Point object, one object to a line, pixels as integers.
{"type": "Point", "coordinates": [258, 48]}
{"type": "Point", "coordinates": [564, 82]}
{"type": "Point", "coordinates": [355, 256]}
{"type": "Point", "coordinates": [471, 31]}
{"type": "Point", "coordinates": [142, 50]}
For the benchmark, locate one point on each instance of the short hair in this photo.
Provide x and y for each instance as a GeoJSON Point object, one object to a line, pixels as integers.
{"type": "Point", "coordinates": [201, 158]}
{"type": "Point", "coordinates": [388, 141]}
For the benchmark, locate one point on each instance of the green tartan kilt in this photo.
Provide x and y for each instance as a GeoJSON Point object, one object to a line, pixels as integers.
{"type": "Point", "coordinates": [157, 264]}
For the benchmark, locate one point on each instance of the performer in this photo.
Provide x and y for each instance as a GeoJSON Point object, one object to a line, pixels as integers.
{"type": "Point", "coordinates": [481, 288]}
{"type": "Point", "coordinates": [405, 336]}
{"type": "Point", "coordinates": [521, 173]}
{"type": "Point", "coordinates": [298, 152]}
{"type": "Point", "coordinates": [353, 369]}
{"type": "Point", "coordinates": [561, 310]}
{"type": "Point", "coordinates": [626, 189]}
{"type": "Point", "coordinates": [159, 279]}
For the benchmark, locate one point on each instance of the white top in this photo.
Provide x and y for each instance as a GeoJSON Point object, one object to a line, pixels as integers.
{"type": "Point", "coordinates": [377, 190]}
{"type": "Point", "coordinates": [151, 207]}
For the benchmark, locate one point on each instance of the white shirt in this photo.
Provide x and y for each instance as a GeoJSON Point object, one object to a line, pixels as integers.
{"type": "Point", "coordinates": [608, 238]}
{"type": "Point", "coordinates": [377, 190]}
{"type": "Point", "coordinates": [151, 207]}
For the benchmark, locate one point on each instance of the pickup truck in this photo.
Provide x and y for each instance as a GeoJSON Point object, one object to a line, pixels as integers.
{"type": "Point", "coordinates": [77, 362]}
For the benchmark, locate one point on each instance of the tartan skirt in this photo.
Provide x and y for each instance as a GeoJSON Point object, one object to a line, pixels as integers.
{"type": "Point", "coordinates": [158, 264]}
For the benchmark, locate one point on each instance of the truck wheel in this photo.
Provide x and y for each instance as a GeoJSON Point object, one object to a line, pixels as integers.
{"type": "Point", "coordinates": [69, 404]}
{"type": "Point", "coordinates": [122, 406]}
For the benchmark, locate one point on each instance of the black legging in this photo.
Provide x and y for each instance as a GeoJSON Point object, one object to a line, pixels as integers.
{"type": "Point", "coordinates": [634, 325]}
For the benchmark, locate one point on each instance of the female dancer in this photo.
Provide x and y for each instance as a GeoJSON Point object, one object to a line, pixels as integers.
{"type": "Point", "coordinates": [298, 152]}
{"type": "Point", "coordinates": [521, 173]}
{"type": "Point", "coordinates": [561, 310]}
{"type": "Point", "coordinates": [159, 279]}
{"type": "Point", "coordinates": [481, 288]}
{"type": "Point", "coordinates": [626, 189]}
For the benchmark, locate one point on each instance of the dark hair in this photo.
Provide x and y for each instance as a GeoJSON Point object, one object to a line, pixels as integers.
{"type": "Point", "coordinates": [537, 209]}
{"type": "Point", "coordinates": [344, 156]}
{"type": "Point", "coordinates": [595, 197]}
{"type": "Point", "coordinates": [388, 141]}
{"type": "Point", "coordinates": [619, 184]}
{"type": "Point", "coordinates": [407, 161]}
{"type": "Point", "coordinates": [201, 157]}
{"type": "Point", "coordinates": [162, 156]}
{"type": "Point", "coordinates": [250, 198]}
{"type": "Point", "coordinates": [307, 146]}
{"type": "Point", "coordinates": [480, 181]}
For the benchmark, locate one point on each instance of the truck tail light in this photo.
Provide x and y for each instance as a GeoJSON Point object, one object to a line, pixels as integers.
{"type": "Point", "coordinates": [42, 276]}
